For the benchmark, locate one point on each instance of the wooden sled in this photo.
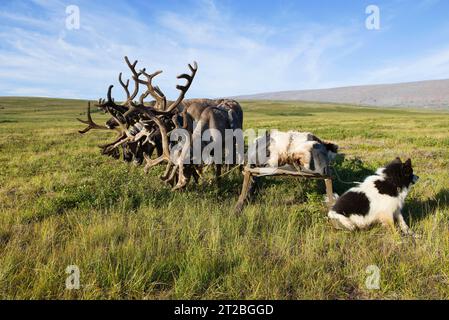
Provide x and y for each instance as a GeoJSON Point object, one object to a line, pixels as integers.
{"type": "Point", "coordinates": [250, 173]}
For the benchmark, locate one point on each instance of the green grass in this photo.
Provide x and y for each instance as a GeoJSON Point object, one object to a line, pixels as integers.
{"type": "Point", "coordinates": [62, 203]}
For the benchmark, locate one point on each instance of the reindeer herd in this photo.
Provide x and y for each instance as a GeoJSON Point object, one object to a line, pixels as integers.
{"type": "Point", "coordinates": [145, 128]}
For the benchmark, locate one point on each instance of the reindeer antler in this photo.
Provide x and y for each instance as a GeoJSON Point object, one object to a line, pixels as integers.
{"type": "Point", "coordinates": [125, 87]}
{"type": "Point", "coordinates": [90, 123]}
{"type": "Point", "coordinates": [155, 115]}
{"type": "Point", "coordinates": [184, 88]}
{"type": "Point", "coordinates": [165, 157]}
{"type": "Point", "coordinates": [135, 76]}
{"type": "Point", "coordinates": [155, 92]}
{"type": "Point", "coordinates": [109, 95]}
{"type": "Point", "coordinates": [159, 96]}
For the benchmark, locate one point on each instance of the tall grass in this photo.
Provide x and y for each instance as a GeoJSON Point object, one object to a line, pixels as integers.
{"type": "Point", "coordinates": [62, 203]}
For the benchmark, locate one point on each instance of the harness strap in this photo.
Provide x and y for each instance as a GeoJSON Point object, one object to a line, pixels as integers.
{"type": "Point", "coordinates": [340, 180]}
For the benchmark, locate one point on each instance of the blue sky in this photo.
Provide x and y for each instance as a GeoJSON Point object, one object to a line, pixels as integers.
{"type": "Point", "coordinates": [241, 46]}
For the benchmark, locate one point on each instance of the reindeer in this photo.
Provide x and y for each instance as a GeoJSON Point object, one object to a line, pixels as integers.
{"type": "Point", "coordinates": [216, 118]}
{"type": "Point", "coordinates": [143, 128]}
{"type": "Point", "coordinates": [211, 114]}
{"type": "Point", "coordinates": [126, 117]}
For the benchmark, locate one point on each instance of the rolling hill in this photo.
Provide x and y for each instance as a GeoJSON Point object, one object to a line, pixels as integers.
{"type": "Point", "coordinates": [428, 94]}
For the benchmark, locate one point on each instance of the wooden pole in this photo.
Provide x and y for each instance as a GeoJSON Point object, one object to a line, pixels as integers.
{"type": "Point", "coordinates": [329, 192]}
{"type": "Point", "coordinates": [245, 188]}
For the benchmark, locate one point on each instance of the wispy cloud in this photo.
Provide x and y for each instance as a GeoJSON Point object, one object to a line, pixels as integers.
{"type": "Point", "coordinates": [234, 57]}
{"type": "Point", "coordinates": [39, 56]}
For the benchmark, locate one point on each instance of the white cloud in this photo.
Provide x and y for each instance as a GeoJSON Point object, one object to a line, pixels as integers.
{"type": "Point", "coordinates": [234, 57]}
{"type": "Point", "coordinates": [244, 58]}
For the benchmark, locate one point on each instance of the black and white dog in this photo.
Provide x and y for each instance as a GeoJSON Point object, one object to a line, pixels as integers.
{"type": "Point", "coordinates": [379, 199]}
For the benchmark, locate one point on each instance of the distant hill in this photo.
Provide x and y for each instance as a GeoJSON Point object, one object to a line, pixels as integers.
{"type": "Point", "coordinates": [426, 94]}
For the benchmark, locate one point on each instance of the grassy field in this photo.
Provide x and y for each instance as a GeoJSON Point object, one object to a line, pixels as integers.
{"type": "Point", "coordinates": [62, 203]}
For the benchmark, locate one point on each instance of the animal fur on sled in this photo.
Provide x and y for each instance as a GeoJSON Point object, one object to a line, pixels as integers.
{"type": "Point", "coordinates": [300, 150]}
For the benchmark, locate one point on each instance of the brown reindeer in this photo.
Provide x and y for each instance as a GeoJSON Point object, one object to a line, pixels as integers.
{"type": "Point", "coordinates": [143, 127]}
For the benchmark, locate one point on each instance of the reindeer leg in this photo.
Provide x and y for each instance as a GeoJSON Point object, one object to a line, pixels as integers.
{"type": "Point", "coordinates": [166, 174]}
{"type": "Point", "coordinates": [151, 163]}
{"type": "Point", "coordinates": [182, 180]}
{"type": "Point", "coordinates": [218, 173]}
{"type": "Point", "coordinates": [171, 180]}
{"type": "Point", "coordinates": [189, 173]}
{"type": "Point", "coordinates": [195, 175]}
{"type": "Point", "coordinates": [199, 171]}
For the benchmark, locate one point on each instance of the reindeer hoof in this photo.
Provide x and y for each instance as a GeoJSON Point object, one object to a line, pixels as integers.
{"type": "Point", "coordinates": [170, 182]}
{"type": "Point", "coordinates": [179, 186]}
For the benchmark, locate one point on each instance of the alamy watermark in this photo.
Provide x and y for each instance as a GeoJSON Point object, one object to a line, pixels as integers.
{"type": "Point", "coordinates": [372, 281]}
{"type": "Point", "coordinates": [372, 22]}
{"type": "Point", "coordinates": [73, 19]}
{"type": "Point", "coordinates": [210, 146]}
{"type": "Point", "coordinates": [72, 282]}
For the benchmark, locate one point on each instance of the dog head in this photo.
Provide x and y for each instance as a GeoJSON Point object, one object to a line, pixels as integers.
{"type": "Point", "coordinates": [400, 173]}
{"type": "Point", "coordinates": [321, 156]}
{"type": "Point", "coordinates": [332, 150]}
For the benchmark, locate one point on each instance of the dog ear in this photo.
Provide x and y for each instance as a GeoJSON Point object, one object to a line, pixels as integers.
{"type": "Point", "coordinates": [331, 147]}
{"type": "Point", "coordinates": [397, 160]}
{"type": "Point", "coordinates": [408, 163]}
{"type": "Point", "coordinates": [407, 167]}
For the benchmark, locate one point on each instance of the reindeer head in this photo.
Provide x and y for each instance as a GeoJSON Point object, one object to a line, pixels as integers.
{"type": "Point", "coordinates": [141, 127]}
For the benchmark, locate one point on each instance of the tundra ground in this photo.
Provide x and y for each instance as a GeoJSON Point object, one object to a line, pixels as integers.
{"type": "Point", "coordinates": [62, 203]}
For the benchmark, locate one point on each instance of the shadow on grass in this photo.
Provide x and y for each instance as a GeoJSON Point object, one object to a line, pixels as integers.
{"type": "Point", "coordinates": [347, 172]}
{"type": "Point", "coordinates": [420, 209]}
{"type": "Point", "coordinates": [131, 196]}
{"type": "Point", "coordinates": [97, 196]}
